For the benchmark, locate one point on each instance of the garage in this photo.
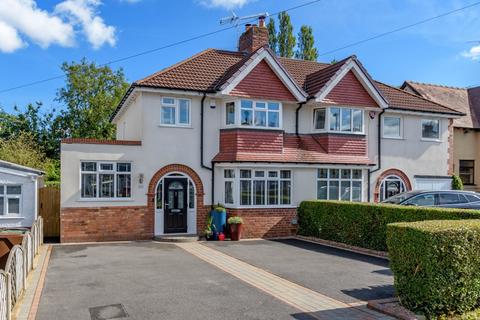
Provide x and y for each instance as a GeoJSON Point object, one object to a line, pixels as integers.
{"type": "Point", "coordinates": [433, 183]}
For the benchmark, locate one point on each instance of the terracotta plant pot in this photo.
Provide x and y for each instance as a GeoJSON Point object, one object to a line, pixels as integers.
{"type": "Point", "coordinates": [235, 232]}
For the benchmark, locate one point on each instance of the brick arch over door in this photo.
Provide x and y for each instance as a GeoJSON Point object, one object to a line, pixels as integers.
{"type": "Point", "coordinates": [199, 191]}
{"type": "Point", "coordinates": [390, 172]}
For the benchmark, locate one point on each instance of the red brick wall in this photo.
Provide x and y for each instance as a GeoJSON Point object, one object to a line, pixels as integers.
{"type": "Point", "coordinates": [343, 144]}
{"type": "Point", "coordinates": [262, 83]}
{"type": "Point", "coordinates": [106, 224]}
{"type": "Point", "coordinates": [386, 173]}
{"type": "Point", "coordinates": [349, 91]}
{"type": "Point", "coordinates": [253, 38]}
{"type": "Point", "coordinates": [245, 140]}
{"type": "Point", "coordinates": [266, 223]}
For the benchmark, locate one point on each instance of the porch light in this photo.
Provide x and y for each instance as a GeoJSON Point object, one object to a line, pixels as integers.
{"type": "Point", "coordinates": [213, 104]}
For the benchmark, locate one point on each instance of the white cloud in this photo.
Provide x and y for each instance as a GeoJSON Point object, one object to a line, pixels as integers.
{"type": "Point", "coordinates": [83, 13]}
{"type": "Point", "coordinates": [9, 38]}
{"type": "Point", "coordinates": [226, 4]}
{"type": "Point", "coordinates": [22, 21]}
{"type": "Point", "coordinates": [473, 53]}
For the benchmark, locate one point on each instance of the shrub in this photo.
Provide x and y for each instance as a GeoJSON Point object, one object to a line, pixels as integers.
{"type": "Point", "coordinates": [365, 224]}
{"type": "Point", "coordinates": [235, 220]}
{"type": "Point", "coordinates": [457, 183]}
{"type": "Point", "coordinates": [436, 265]}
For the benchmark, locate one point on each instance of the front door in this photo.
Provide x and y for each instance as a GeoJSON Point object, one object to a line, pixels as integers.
{"type": "Point", "coordinates": [175, 208]}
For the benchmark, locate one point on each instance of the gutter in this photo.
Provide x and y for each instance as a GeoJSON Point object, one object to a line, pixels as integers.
{"type": "Point", "coordinates": [300, 105]}
{"type": "Point", "coordinates": [202, 124]}
{"type": "Point", "coordinates": [379, 148]}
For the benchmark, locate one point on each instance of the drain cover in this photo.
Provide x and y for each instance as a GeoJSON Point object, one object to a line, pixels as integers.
{"type": "Point", "coordinates": [113, 311]}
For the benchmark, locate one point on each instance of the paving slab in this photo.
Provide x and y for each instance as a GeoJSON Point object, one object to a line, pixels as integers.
{"type": "Point", "coordinates": [339, 274]}
{"type": "Point", "coordinates": [148, 280]}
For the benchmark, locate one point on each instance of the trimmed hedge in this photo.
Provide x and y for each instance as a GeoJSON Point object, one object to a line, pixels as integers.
{"type": "Point", "coordinates": [365, 224]}
{"type": "Point", "coordinates": [436, 265]}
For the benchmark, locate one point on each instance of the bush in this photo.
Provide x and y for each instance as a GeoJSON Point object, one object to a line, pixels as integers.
{"type": "Point", "coordinates": [365, 224]}
{"type": "Point", "coordinates": [457, 183]}
{"type": "Point", "coordinates": [436, 265]}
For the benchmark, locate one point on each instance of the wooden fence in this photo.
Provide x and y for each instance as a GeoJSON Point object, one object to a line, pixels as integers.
{"type": "Point", "coordinates": [19, 264]}
{"type": "Point", "coordinates": [49, 210]}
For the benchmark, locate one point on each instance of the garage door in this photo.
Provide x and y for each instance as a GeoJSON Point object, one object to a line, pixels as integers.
{"type": "Point", "coordinates": [429, 183]}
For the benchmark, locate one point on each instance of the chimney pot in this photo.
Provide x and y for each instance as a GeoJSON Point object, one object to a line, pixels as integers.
{"type": "Point", "coordinates": [261, 21]}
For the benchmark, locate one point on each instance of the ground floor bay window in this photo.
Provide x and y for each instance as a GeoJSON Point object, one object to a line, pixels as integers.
{"type": "Point", "coordinates": [257, 187]}
{"type": "Point", "coordinates": [340, 184]}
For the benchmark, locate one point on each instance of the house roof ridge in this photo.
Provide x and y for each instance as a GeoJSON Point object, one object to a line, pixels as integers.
{"type": "Point", "coordinates": [434, 85]}
{"type": "Point", "coordinates": [420, 97]}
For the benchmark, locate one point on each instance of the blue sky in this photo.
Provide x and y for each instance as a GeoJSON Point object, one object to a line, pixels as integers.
{"type": "Point", "coordinates": [36, 36]}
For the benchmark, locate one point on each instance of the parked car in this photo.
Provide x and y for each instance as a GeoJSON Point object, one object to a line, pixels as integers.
{"type": "Point", "coordinates": [444, 199]}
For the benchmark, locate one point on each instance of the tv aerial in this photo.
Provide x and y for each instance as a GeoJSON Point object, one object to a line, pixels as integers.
{"type": "Point", "coordinates": [235, 19]}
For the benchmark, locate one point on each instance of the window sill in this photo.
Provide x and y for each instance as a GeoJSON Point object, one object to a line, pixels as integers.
{"type": "Point", "coordinates": [430, 140]}
{"type": "Point", "coordinates": [175, 126]}
{"type": "Point", "coordinates": [286, 206]}
{"type": "Point", "coordinates": [339, 132]}
{"type": "Point", "coordinates": [105, 200]}
{"type": "Point", "coordinates": [237, 126]}
{"type": "Point", "coordinates": [393, 138]}
{"type": "Point", "coordinates": [11, 217]}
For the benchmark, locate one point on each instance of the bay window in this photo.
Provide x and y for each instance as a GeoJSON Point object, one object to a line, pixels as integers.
{"type": "Point", "coordinates": [258, 114]}
{"type": "Point", "coordinates": [338, 119]}
{"type": "Point", "coordinates": [258, 187]}
{"type": "Point", "coordinates": [105, 180]}
{"type": "Point", "coordinates": [10, 199]}
{"type": "Point", "coordinates": [339, 184]}
{"type": "Point", "coordinates": [175, 112]}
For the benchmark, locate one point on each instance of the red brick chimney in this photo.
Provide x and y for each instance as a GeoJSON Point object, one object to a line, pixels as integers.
{"type": "Point", "coordinates": [254, 37]}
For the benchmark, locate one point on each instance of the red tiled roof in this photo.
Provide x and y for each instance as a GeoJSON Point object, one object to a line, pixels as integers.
{"type": "Point", "coordinates": [209, 69]}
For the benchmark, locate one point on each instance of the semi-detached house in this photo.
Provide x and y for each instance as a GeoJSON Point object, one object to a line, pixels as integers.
{"type": "Point", "coordinates": [254, 132]}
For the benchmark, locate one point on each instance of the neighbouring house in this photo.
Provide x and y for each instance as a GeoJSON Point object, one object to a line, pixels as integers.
{"type": "Point", "coordinates": [254, 132]}
{"type": "Point", "coordinates": [466, 132]}
{"type": "Point", "coordinates": [18, 195]}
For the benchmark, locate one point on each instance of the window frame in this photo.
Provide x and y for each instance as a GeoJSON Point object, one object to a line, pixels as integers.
{"type": "Point", "coordinates": [4, 194]}
{"type": "Point", "coordinates": [97, 174]}
{"type": "Point", "coordinates": [391, 177]}
{"type": "Point", "coordinates": [237, 179]}
{"type": "Point", "coordinates": [469, 167]}
{"type": "Point", "coordinates": [438, 139]}
{"type": "Point", "coordinates": [327, 128]}
{"type": "Point", "coordinates": [400, 133]}
{"type": "Point", "coordinates": [238, 112]}
{"type": "Point", "coordinates": [176, 106]}
{"type": "Point", "coordinates": [328, 179]}
{"type": "Point", "coordinates": [190, 186]}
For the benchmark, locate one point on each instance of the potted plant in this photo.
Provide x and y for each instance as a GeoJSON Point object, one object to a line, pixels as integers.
{"type": "Point", "coordinates": [208, 229]}
{"type": "Point", "coordinates": [235, 224]}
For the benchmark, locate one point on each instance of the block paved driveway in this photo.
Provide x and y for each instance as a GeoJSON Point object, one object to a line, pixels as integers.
{"type": "Point", "coordinates": [149, 280]}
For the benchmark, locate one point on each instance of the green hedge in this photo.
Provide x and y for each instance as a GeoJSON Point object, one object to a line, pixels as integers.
{"type": "Point", "coordinates": [436, 265]}
{"type": "Point", "coordinates": [365, 224]}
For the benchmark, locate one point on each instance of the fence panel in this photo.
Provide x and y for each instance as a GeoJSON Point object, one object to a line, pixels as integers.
{"type": "Point", "coordinates": [27, 245]}
{"type": "Point", "coordinates": [5, 305]}
{"type": "Point", "coordinates": [16, 268]}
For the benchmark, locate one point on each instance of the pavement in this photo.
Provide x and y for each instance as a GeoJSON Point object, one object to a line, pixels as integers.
{"type": "Point", "coordinates": [249, 280]}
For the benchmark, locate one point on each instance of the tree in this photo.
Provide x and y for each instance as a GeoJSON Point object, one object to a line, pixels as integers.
{"type": "Point", "coordinates": [286, 39]}
{"type": "Point", "coordinates": [272, 35]}
{"type": "Point", "coordinates": [90, 96]}
{"type": "Point", "coordinates": [306, 45]}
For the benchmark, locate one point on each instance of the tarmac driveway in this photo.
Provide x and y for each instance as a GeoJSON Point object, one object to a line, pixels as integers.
{"type": "Point", "coordinates": [147, 280]}
{"type": "Point", "coordinates": [339, 274]}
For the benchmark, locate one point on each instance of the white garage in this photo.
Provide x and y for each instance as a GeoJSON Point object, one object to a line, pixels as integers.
{"type": "Point", "coordinates": [432, 183]}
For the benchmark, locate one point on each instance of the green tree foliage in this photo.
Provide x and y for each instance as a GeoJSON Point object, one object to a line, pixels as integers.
{"type": "Point", "coordinates": [306, 45]}
{"type": "Point", "coordinates": [90, 95]}
{"type": "Point", "coordinates": [272, 35]}
{"type": "Point", "coordinates": [457, 183]}
{"type": "Point", "coordinates": [286, 39]}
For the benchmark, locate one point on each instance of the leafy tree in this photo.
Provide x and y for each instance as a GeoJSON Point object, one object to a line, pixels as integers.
{"type": "Point", "coordinates": [272, 35]}
{"type": "Point", "coordinates": [457, 183]}
{"type": "Point", "coordinates": [90, 96]}
{"type": "Point", "coordinates": [306, 45]}
{"type": "Point", "coordinates": [286, 39]}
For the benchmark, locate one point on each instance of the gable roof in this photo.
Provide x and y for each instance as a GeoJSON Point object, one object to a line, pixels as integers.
{"type": "Point", "coordinates": [17, 167]}
{"type": "Point", "coordinates": [211, 69]}
{"type": "Point", "coordinates": [463, 100]}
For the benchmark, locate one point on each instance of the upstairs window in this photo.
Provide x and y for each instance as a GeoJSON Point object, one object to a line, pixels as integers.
{"type": "Point", "coordinates": [259, 114]}
{"type": "Point", "coordinates": [336, 119]}
{"type": "Point", "coordinates": [175, 112]}
{"type": "Point", "coordinates": [430, 129]}
{"type": "Point", "coordinates": [10, 199]}
{"type": "Point", "coordinates": [105, 180]}
{"type": "Point", "coordinates": [392, 127]}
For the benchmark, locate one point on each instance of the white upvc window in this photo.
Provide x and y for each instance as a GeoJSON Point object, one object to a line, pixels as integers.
{"type": "Point", "coordinates": [253, 113]}
{"type": "Point", "coordinates": [392, 127]}
{"type": "Point", "coordinates": [258, 187]}
{"type": "Point", "coordinates": [175, 112]}
{"type": "Point", "coordinates": [338, 120]}
{"type": "Point", "coordinates": [105, 180]}
{"type": "Point", "coordinates": [430, 129]}
{"type": "Point", "coordinates": [340, 184]}
{"type": "Point", "coordinates": [10, 200]}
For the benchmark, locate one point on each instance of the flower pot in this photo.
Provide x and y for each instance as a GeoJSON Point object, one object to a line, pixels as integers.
{"type": "Point", "coordinates": [235, 232]}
